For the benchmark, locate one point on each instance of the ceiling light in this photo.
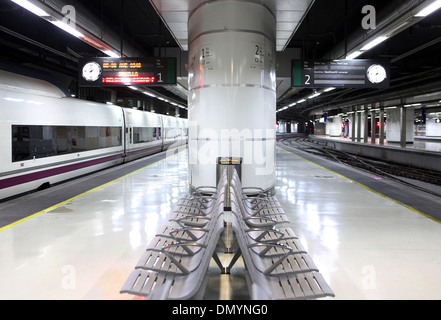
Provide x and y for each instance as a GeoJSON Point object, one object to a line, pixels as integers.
{"type": "Point", "coordinates": [301, 101]}
{"type": "Point", "coordinates": [328, 89]}
{"type": "Point", "coordinates": [354, 55]}
{"type": "Point", "coordinates": [32, 8]}
{"type": "Point", "coordinates": [374, 43]}
{"type": "Point", "coordinates": [67, 28]}
{"type": "Point", "coordinates": [111, 54]}
{"type": "Point", "coordinates": [315, 95]}
{"type": "Point", "coordinates": [429, 9]}
{"type": "Point", "coordinates": [149, 94]}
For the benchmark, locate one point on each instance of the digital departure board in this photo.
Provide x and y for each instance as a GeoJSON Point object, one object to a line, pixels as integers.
{"type": "Point", "coordinates": [104, 72]}
{"type": "Point", "coordinates": [359, 73]}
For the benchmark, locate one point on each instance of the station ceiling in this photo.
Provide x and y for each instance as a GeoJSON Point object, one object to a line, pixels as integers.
{"type": "Point", "coordinates": [326, 29]}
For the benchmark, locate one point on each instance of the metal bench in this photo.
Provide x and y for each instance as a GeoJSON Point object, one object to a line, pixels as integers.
{"type": "Point", "coordinates": [278, 267]}
{"type": "Point", "coordinates": [175, 264]}
{"type": "Point", "coordinates": [258, 212]}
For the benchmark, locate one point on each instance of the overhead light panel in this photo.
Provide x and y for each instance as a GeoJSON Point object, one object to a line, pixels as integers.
{"type": "Point", "coordinates": [315, 95]}
{"type": "Point", "coordinates": [111, 54]}
{"type": "Point", "coordinates": [67, 28]}
{"type": "Point", "coordinates": [374, 43]}
{"type": "Point", "coordinates": [32, 8]}
{"type": "Point", "coordinates": [354, 55]}
{"type": "Point", "coordinates": [429, 9]}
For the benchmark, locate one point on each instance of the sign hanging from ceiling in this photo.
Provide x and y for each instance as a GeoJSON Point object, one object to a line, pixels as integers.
{"type": "Point", "coordinates": [107, 72]}
{"type": "Point", "coordinates": [361, 73]}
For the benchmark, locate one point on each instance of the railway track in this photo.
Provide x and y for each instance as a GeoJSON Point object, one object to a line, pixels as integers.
{"type": "Point", "coordinates": [399, 173]}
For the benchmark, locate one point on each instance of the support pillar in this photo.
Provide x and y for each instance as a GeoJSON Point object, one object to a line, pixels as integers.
{"type": "Point", "coordinates": [373, 126]}
{"type": "Point", "coordinates": [353, 124]}
{"type": "Point", "coordinates": [232, 91]}
{"type": "Point", "coordinates": [366, 126]}
{"type": "Point", "coordinates": [381, 126]}
{"type": "Point", "coordinates": [403, 124]}
{"type": "Point", "coordinates": [358, 126]}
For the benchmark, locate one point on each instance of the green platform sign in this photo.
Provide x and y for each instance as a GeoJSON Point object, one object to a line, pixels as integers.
{"type": "Point", "coordinates": [361, 73]}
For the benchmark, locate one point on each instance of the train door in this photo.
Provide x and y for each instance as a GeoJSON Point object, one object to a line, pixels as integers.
{"type": "Point", "coordinates": [128, 136]}
{"type": "Point", "coordinates": [162, 133]}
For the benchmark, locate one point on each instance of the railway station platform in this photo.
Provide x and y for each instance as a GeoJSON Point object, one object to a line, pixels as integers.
{"type": "Point", "coordinates": [366, 245]}
{"type": "Point", "coordinates": [422, 154]}
{"type": "Point", "coordinates": [432, 144]}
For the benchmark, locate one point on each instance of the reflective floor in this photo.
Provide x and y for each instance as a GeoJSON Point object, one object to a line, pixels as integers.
{"type": "Point", "coordinates": [365, 245]}
{"type": "Point", "coordinates": [86, 248]}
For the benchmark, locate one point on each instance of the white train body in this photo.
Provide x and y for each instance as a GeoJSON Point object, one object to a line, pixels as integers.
{"type": "Point", "coordinates": [46, 137]}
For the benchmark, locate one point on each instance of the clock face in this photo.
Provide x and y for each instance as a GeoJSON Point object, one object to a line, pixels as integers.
{"type": "Point", "coordinates": [376, 73]}
{"type": "Point", "coordinates": [91, 71]}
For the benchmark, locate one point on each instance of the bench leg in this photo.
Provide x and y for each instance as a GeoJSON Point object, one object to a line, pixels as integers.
{"type": "Point", "coordinates": [233, 261]}
{"type": "Point", "coordinates": [219, 264]}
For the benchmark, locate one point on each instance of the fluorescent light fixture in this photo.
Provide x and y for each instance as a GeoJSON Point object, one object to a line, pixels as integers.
{"type": "Point", "coordinates": [292, 104]}
{"type": "Point", "coordinates": [67, 28]}
{"type": "Point", "coordinates": [429, 9]}
{"type": "Point", "coordinates": [328, 89]}
{"type": "Point", "coordinates": [149, 94]}
{"type": "Point", "coordinates": [315, 95]}
{"type": "Point", "coordinates": [32, 8]}
{"type": "Point", "coordinates": [374, 43]}
{"type": "Point", "coordinates": [14, 100]}
{"type": "Point", "coordinates": [354, 55]}
{"type": "Point", "coordinates": [301, 101]}
{"type": "Point", "coordinates": [111, 54]}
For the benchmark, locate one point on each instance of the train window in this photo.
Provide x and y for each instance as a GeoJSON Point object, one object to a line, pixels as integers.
{"type": "Point", "coordinates": [146, 134]}
{"type": "Point", "coordinates": [29, 142]}
{"type": "Point", "coordinates": [172, 133]}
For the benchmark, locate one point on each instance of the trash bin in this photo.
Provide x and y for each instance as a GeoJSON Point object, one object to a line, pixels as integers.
{"type": "Point", "coordinates": [228, 163]}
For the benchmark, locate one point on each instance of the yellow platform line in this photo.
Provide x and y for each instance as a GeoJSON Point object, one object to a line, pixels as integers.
{"type": "Point", "coordinates": [365, 187]}
{"type": "Point", "coordinates": [82, 194]}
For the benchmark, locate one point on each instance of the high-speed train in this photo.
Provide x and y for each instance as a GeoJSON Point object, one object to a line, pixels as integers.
{"type": "Point", "coordinates": [46, 136]}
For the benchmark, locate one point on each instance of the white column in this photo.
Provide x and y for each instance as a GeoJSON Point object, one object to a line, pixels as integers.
{"type": "Point", "coordinates": [335, 127]}
{"type": "Point", "coordinates": [232, 91]}
{"type": "Point", "coordinates": [400, 125]}
{"type": "Point", "coordinates": [282, 126]}
{"type": "Point", "coordinates": [381, 129]}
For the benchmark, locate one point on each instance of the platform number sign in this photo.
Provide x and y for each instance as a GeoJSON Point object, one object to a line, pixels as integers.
{"type": "Point", "coordinates": [258, 55]}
